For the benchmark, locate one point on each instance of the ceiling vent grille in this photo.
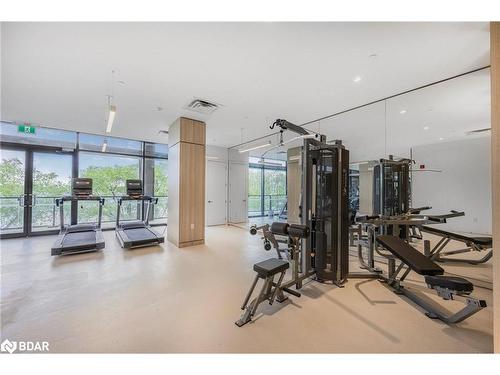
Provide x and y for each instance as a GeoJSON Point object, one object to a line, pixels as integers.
{"type": "Point", "coordinates": [202, 106]}
{"type": "Point", "coordinates": [472, 132]}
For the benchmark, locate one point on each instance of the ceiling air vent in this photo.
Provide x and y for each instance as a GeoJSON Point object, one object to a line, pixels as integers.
{"type": "Point", "coordinates": [202, 106]}
{"type": "Point", "coordinates": [471, 132]}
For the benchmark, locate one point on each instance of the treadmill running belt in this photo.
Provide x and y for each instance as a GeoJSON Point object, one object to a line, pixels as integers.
{"type": "Point", "coordinates": [79, 241]}
{"type": "Point", "coordinates": [140, 235]}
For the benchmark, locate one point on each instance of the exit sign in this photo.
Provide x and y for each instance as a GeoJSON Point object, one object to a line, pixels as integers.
{"type": "Point", "coordinates": [26, 129]}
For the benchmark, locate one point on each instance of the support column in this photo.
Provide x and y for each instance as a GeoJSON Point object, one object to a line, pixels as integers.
{"type": "Point", "coordinates": [495, 174]}
{"type": "Point", "coordinates": [186, 183]}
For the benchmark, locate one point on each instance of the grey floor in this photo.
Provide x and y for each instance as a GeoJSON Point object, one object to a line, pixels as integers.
{"type": "Point", "coordinates": [165, 299]}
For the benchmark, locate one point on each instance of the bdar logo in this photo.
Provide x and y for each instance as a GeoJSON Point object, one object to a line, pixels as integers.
{"type": "Point", "coordinates": [8, 346]}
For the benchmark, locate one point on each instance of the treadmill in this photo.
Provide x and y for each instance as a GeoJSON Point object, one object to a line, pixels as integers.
{"type": "Point", "coordinates": [133, 234]}
{"type": "Point", "coordinates": [79, 238]}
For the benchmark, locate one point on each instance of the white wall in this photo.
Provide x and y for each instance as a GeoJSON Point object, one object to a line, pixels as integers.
{"type": "Point", "coordinates": [463, 185]}
{"type": "Point", "coordinates": [236, 181]}
{"type": "Point", "coordinates": [238, 187]}
{"type": "Point", "coordinates": [216, 153]}
{"type": "Point", "coordinates": [216, 185]}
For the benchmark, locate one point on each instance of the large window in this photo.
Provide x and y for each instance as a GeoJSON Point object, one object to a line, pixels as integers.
{"type": "Point", "coordinates": [12, 168]}
{"type": "Point", "coordinates": [155, 150]}
{"type": "Point", "coordinates": [254, 192]}
{"type": "Point", "coordinates": [108, 173]}
{"type": "Point", "coordinates": [41, 137]}
{"type": "Point", "coordinates": [51, 180]}
{"type": "Point", "coordinates": [50, 156]}
{"type": "Point", "coordinates": [354, 189]}
{"type": "Point", "coordinates": [274, 190]}
{"type": "Point", "coordinates": [93, 142]}
{"type": "Point", "coordinates": [266, 187]}
{"type": "Point", "coordinates": [156, 184]}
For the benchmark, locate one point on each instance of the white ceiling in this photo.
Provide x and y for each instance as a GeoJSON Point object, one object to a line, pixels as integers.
{"type": "Point", "coordinates": [58, 75]}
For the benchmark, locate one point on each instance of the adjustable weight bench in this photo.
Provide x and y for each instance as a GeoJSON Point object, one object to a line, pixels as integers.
{"type": "Point", "coordinates": [447, 287]}
{"type": "Point", "coordinates": [472, 243]}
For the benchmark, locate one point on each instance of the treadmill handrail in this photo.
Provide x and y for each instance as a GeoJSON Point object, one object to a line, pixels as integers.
{"type": "Point", "coordinates": [75, 198]}
{"type": "Point", "coordinates": [140, 198]}
{"type": "Point", "coordinates": [148, 198]}
{"type": "Point", "coordinates": [68, 198]}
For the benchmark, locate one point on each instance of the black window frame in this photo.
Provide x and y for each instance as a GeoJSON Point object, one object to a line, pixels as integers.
{"type": "Point", "coordinates": [263, 167]}
{"type": "Point", "coordinates": [142, 156]}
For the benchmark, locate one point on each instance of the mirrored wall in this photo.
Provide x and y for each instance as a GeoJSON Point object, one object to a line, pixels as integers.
{"type": "Point", "coordinates": [443, 128]}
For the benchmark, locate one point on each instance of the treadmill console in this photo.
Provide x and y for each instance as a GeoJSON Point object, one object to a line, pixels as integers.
{"type": "Point", "coordinates": [82, 186]}
{"type": "Point", "coordinates": [134, 188]}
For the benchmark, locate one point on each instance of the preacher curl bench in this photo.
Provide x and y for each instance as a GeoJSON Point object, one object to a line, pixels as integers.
{"type": "Point", "coordinates": [447, 287]}
{"type": "Point", "coordinates": [267, 270]}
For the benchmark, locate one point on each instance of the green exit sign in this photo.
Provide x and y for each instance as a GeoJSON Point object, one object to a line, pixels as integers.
{"type": "Point", "coordinates": [26, 129]}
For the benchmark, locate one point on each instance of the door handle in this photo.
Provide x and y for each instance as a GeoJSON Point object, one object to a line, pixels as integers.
{"type": "Point", "coordinates": [32, 200]}
{"type": "Point", "coordinates": [22, 200]}
{"type": "Point", "coordinates": [210, 201]}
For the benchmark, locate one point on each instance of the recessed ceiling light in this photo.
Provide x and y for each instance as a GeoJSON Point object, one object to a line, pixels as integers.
{"type": "Point", "coordinates": [441, 139]}
{"type": "Point", "coordinates": [426, 128]}
{"type": "Point", "coordinates": [403, 111]}
{"type": "Point", "coordinates": [357, 79]}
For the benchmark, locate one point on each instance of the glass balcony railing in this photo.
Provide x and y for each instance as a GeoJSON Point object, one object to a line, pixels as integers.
{"type": "Point", "coordinates": [45, 213]}
{"type": "Point", "coordinates": [272, 204]}
{"type": "Point", "coordinates": [11, 214]}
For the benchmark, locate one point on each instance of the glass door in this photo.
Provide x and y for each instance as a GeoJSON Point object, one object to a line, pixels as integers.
{"type": "Point", "coordinates": [30, 181]}
{"type": "Point", "coordinates": [51, 179]}
{"type": "Point", "coordinates": [13, 194]}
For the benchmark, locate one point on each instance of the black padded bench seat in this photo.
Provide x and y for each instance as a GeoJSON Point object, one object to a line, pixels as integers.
{"type": "Point", "coordinates": [270, 267]}
{"type": "Point", "coordinates": [417, 261]}
{"type": "Point", "coordinates": [271, 290]}
{"type": "Point", "coordinates": [458, 284]}
{"type": "Point", "coordinates": [480, 240]}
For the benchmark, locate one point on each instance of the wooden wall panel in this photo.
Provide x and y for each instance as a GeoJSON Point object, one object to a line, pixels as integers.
{"type": "Point", "coordinates": [191, 131]}
{"type": "Point", "coordinates": [199, 135]}
{"type": "Point", "coordinates": [495, 161]}
{"type": "Point", "coordinates": [192, 193]}
{"type": "Point", "coordinates": [187, 131]}
{"type": "Point", "coordinates": [199, 192]}
{"type": "Point", "coordinates": [188, 219]}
